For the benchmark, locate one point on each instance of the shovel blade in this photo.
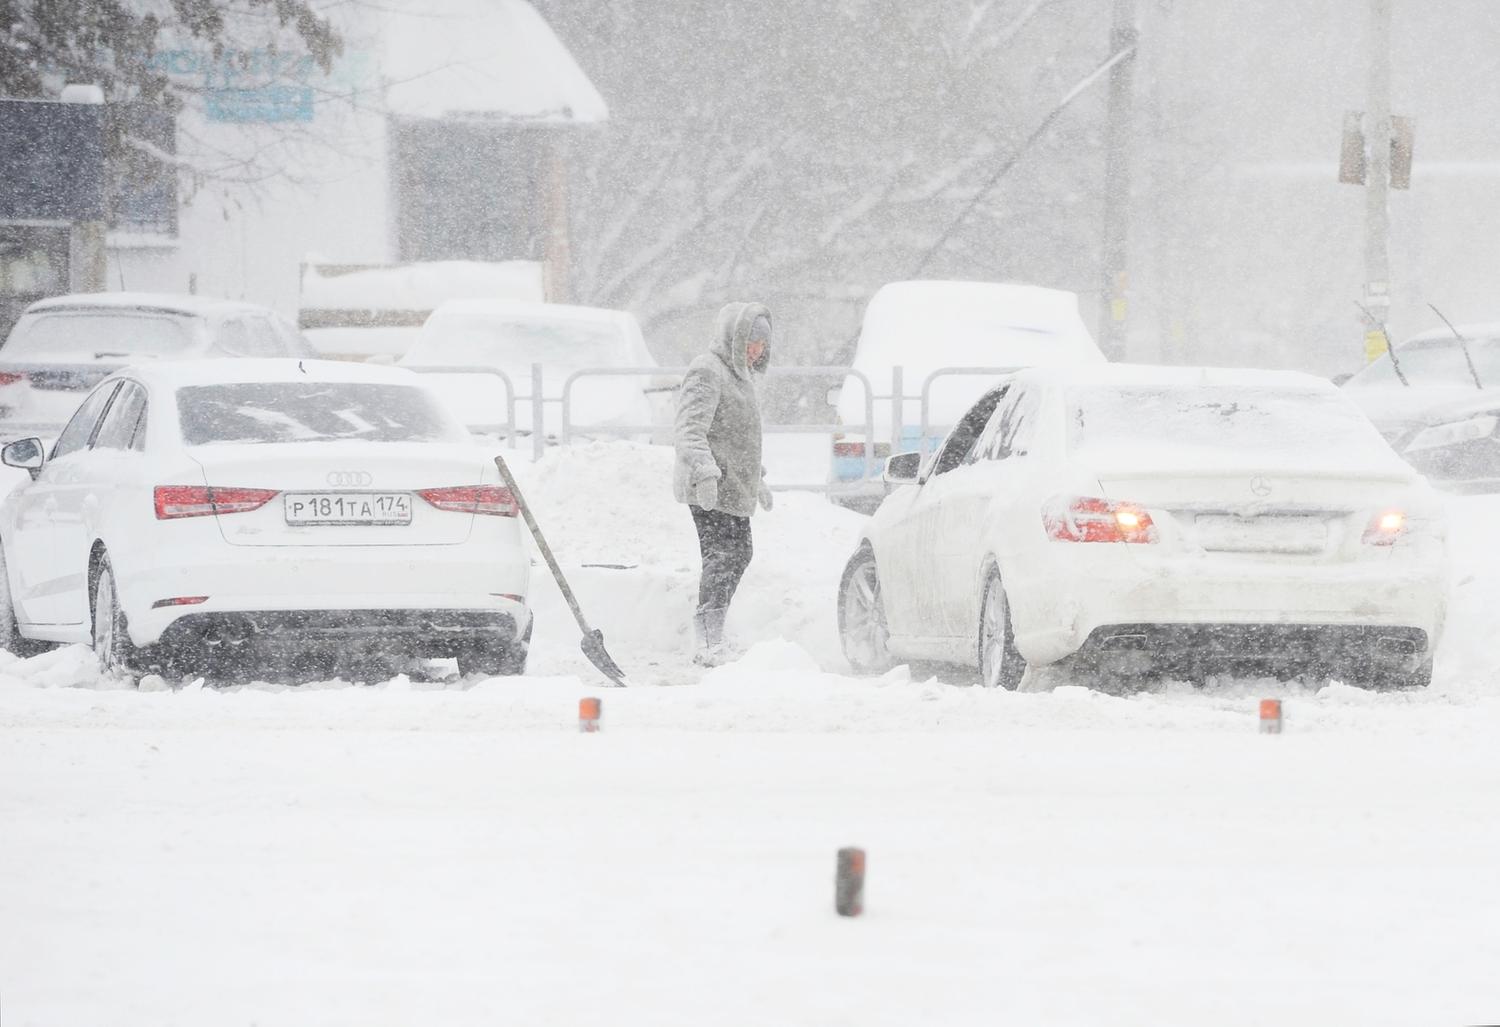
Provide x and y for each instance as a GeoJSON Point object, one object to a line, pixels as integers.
{"type": "Point", "coordinates": [592, 645]}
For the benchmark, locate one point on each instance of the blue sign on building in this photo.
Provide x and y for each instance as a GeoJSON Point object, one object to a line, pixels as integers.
{"type": "Point", "coordinates": [263, 104]}
{"type": "Point", "coordinates": [259, 85]}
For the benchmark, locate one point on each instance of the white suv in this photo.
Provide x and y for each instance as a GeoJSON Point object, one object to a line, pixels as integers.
{"type": "Point", "coordinates": [62, 347]}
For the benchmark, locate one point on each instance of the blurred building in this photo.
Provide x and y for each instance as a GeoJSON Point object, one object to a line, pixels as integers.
{"type": "Point", "coordinates": [440, 133]}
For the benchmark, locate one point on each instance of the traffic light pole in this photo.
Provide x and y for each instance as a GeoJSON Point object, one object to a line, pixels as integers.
{"type": "Point", "coordinates": [1116, 248]}
{"type": "Point", "coordinates": [1378, 163]}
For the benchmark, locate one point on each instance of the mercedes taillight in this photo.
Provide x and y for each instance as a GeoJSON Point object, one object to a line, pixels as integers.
{"type": "Point", "coordinates": [1385, 528]}
{"type": "Point", "coordinates": [1090, 519]}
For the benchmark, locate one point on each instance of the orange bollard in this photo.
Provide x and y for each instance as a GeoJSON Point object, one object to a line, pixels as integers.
{"type": "Point", "coordinates": [589, 711]}
{"type": "Point", "coordinates": [1270, 716]}
{"type": "Point", "coordinates": [849, 883]}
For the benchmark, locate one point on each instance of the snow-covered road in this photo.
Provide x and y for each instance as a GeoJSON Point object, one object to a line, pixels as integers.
{"type": "Point", "coordinates": [453, 851]}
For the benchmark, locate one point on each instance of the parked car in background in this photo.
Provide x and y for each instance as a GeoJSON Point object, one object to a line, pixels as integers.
{"type": "Point", "coordinates": [62, 347]}
{"type": "Point", "coordinates": [922, 327]}
{"type": "Point", "coordinates": [1137, 519]}
{"type": "Point", "coordinates": [376, 311]}
{"type": "Point", "coordinates": [218, 513]}
{"type": "Point", "coordinates": [508, 337]}
{"type": "Point", "coordinates": [1440, 419]}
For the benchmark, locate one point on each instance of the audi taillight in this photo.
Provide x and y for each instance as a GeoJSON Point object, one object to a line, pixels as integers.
{"type": "Point", "coordinates": [1385, 528]}
{"type": "Point", "coordinates": [11, 377]}
{"type": "Point", "coordinates": [1090, 519]}
{"type": "Point", "coordinates": [477, 499]}
{"type": "Point", "coordinates": [173, 501]}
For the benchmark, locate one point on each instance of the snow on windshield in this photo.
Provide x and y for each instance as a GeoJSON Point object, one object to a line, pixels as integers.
{"type": "Point", "coordinates": [87, 337]}
{"type": "Point", "coordinates": [310, 412]}
{"type": "Point", "coordinates": [1436, 362]}
{"type": "Point", "coordinates": [1219, 418]}
{"type": "Point", "coordinates": [521, 341]}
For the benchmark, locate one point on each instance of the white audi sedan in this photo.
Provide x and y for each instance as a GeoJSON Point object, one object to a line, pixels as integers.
{"type": "Point", "coordinates": [1151, 519]}
{"type": "Point", "coordinates": [209, 512]}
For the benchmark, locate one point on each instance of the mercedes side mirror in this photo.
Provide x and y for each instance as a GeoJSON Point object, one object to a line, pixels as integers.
{"type": "Point", "coordinates": [26, 454]}
{"type": "Point", "coordinates": [902, 469]}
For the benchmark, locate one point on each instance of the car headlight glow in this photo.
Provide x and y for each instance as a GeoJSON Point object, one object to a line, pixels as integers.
{"type": "Point", "coordinates": [1454, 432]}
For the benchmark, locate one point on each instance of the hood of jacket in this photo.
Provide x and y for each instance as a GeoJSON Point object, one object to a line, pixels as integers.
{"type": "Point", "coordinates": [732, 338]}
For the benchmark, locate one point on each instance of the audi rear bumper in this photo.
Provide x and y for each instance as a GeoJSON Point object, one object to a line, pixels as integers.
{"type": "Point", "coordinates": [420, 634]}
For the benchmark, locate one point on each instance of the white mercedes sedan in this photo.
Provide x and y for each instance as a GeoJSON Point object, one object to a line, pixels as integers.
{"type": "Point", "coordinates": [210, 513]}
{"type": "Point", "coordinates": [1140, 520]}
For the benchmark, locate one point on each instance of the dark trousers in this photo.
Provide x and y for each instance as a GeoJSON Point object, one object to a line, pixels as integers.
{"type": "Point", "coordinates": [724, 543]}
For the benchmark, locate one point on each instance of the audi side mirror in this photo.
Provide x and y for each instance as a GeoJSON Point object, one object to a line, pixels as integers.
{"type": "Point", "coordinates": [902, 469]}
{"type": "Point", "coordinates": [26, 454]}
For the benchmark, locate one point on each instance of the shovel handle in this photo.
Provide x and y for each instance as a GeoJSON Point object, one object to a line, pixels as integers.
{"type": "Point", "coordinates": [541, 543]}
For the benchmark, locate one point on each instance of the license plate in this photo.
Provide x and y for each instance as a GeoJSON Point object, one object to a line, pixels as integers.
{"type": "Point", "coordinates": [1262, 534]}
{"type": "Point", "coordinates": [348, 507]}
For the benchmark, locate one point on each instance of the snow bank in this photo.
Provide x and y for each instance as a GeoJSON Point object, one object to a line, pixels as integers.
{"type": "Point", "coordinates": [420, 286]}
{"type": "Point", "coordinates": [631, 554]}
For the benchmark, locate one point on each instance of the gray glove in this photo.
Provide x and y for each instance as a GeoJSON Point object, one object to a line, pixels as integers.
{"type": "Point", "coordinates": [706, 493]}
{"type": "Point", "coordinates": [765, 495]}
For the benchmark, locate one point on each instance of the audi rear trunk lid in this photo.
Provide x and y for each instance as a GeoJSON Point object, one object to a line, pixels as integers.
{"type": "Point", "coordinates": [344, 493]}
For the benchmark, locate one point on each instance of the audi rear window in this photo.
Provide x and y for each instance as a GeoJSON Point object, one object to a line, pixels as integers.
{"type": "Point", "coordinates": [311, 412]}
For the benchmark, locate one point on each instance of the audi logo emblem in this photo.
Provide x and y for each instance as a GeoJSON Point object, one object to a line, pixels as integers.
{"type": "Point", "coordinates": [348, 479]}
{"type": "Point", "coordinates": [1260, 487]}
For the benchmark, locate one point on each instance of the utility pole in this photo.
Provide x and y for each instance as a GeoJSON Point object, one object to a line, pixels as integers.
{"type": "Point", "coordinates": [1378, 165]}
{"type": "Point", "coordinates": [1116, 252]}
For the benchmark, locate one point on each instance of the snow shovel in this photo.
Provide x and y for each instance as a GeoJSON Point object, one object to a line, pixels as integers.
{"type": "Point", "coordinates": [592, 642]}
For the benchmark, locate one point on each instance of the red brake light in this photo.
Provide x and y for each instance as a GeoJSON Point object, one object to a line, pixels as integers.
{"type": "Point", "coordinates": [173, 501]}
{"type": "Point", "coordinates": [1090, 519]}
{"type": "Point", "coordinates": [1385, 528]}
{"type": "Point", "coordinates": [478, 499]}
{"type": "Point", "coordinates": [11, 377]}
{"type": "Point", "coordinates": [854, 449]}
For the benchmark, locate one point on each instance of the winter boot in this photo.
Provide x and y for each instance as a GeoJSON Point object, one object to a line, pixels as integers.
{"type": "Point", "coordinates": [708, 629]}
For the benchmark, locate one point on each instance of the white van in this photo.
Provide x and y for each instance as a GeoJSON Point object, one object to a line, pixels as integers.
{"type": "Point", "coordinates": [924, 327]}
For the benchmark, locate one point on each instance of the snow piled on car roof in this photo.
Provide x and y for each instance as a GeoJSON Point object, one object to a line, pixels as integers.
{"type": "Point", "coordinates": [181, 303]}
{"type": "Point", "coordinates": [177, 373]}
{"type": "Point", "coordinates": [1149, 375]}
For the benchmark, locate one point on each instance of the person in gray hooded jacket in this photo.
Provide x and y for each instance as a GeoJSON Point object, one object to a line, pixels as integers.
{"type": "Point", "coordinates": [718, 471]}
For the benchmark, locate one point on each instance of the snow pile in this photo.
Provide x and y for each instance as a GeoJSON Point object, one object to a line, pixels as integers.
{"type": "Point", "coordinates": [421, 286]}
{"type": "Point", "coordinates": [1468, 658]}
{"type": "Point", "coordinates": [631, 554]}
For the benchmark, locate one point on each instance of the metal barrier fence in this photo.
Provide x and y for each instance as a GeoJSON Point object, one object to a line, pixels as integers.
{"type": "Point", "coordinates": [506, 428]}
{"type": "Point", "coordinates": [925, 406]}
{"type": "Point", "coordinates": [569, 429]}
{"type": "Point", "coordinates": [509, 429]}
